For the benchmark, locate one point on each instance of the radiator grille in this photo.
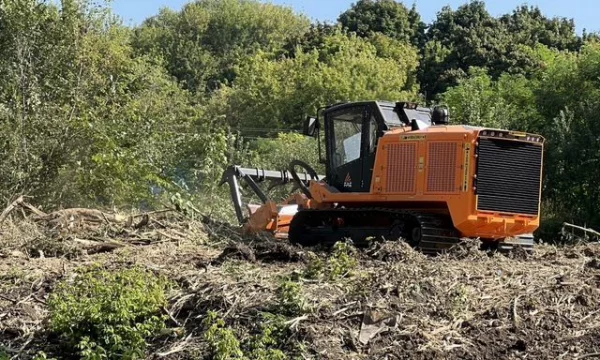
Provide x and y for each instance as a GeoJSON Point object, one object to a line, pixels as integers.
{"type": "Point", "coordinates": [441, 167]}
{"type": "Point", "coordinates": [508, 176]}
{"type": "Point", "coordinates": [402, 168]}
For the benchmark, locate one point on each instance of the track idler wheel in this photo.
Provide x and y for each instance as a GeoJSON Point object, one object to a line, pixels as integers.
{"type": "Point", "coordinates": [416, 234]}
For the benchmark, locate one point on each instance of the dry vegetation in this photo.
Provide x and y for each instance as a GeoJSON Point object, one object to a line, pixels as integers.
{"type": "Point", "coordinates": [258, 298]}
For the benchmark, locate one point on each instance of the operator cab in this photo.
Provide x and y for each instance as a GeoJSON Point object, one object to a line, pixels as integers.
{"type": "Point", "coordinates": [352, 131]}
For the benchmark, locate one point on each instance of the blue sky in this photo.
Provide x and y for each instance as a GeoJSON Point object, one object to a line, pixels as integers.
{"type": "Point", "coordinates": [585, 12]}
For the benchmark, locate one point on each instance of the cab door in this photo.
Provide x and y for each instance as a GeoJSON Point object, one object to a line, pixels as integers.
{"type": "Point", "coordinates": [350, 149]}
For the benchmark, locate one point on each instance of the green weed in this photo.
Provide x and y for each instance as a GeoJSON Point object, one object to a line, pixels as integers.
{"type": "Point", "coordinates": [265, 345]}
{"type": "Point", "coordinates": [341, 263]}
{"type": "Point", "coordinates": [273, 332]}
{"type": "Point", "coordinates": [291, 300]}
{"type": "Point", "coordinates": [109, 315]}
{"type": "Point", "coordinates": [223, 342]}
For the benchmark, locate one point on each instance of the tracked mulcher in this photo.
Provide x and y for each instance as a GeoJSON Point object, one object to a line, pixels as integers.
{"type": "Point", "coordinates": [400, 171]}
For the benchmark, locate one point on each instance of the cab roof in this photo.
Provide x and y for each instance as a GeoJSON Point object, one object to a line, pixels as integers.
{"type": "Point", "coordinates": [393, 114]}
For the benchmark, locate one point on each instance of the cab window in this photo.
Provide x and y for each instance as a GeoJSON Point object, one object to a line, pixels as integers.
{"type": "Point", "coordinates": [347, 132]}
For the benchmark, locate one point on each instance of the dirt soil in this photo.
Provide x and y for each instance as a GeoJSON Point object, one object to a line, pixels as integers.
{"type": "Point", "coordinates": [395, 304]}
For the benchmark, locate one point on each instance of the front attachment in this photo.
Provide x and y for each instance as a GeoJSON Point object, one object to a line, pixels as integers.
{"type": "Point", "coordinates": [268, 216]}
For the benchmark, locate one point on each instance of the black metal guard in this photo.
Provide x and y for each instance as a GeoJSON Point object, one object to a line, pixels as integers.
{"type": "Point", "coordinates": [233, 173]}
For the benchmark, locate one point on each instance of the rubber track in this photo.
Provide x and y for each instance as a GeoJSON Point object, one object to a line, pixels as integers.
{"type": "Point", "coordinates": [438, 233]}
{"type": "Point", "coordinates": [437, 230]}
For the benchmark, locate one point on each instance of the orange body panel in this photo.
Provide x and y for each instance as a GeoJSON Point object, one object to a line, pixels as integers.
{"type": "Point", "coordinates": [274, 218]}
{"type": "Point", "coordinates": [432, 168]}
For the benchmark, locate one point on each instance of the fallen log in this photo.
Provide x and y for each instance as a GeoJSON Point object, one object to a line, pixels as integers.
{"type": "Point", "coordinates": [95, 247]}
{"type": "Point", "coordinates": [586, 230]}
{"type": "Point", "coordinates": [10, 208]}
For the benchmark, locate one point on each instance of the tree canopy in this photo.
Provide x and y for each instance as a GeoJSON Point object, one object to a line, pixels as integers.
{"type": "Point", "coordinates": [388, 17]}
{"type": "Point", "coordinates": [92, 111]}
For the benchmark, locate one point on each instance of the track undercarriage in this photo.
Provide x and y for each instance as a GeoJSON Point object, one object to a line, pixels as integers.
{"type": "Point", "coordinates": [430, 233]}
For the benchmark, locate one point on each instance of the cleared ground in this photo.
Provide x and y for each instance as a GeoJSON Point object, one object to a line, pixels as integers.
{"type": "Point", "coordinates": [385, 302]}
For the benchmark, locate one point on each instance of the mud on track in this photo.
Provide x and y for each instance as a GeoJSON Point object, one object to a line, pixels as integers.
{"type": "Point", "coordinates": [395, 304]}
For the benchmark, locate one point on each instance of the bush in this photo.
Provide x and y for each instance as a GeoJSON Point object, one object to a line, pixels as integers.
{"type": "Point", "coordinates": [290, 298]}
{"type": "Point", "coordinates": [265, 344]}
{"type": "Point", "coordinates": [341, 263]}
{"type": "Point", "coordinates": [273, 333]}
{"type": "Point", "coordinates": [343, 260]}
{"type": "Point", "coordinates": [109, 315]}
{"type": "Point", "coordinates": [223, 342]}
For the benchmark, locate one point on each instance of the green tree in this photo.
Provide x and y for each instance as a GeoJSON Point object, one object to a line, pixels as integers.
{"type": "Point", "coordinates": [529, 26]}
{"type": "Point", "coordinates": [458, 40]}
{"type": "Point", "coordinates": [470, 37]}
{"type": "Point", "coordinates": [388, 17]}
{"type": "Point", "coordinates": [202, 44]}
{"type": "Point", "coordinates": [508, 103]}
{"type": "Point", "coordinates": [280, 93]}
{"type": "Point", "coordinates": [568, 99]}
{"type": "Point", "coordinates": [83, 119]}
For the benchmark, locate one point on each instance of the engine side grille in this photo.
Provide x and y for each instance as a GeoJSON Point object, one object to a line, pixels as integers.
{"type": "Point", "coordinates": [508, 176]}
{"type": "Point", "coordinates": [441, 169]}
{"type": "Point", "coordinates": [402, 167]}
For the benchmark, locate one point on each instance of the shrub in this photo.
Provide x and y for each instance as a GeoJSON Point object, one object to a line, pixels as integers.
{"type": "Point", "coordinates": [109, 315]}
{"type": "Point", "coordinates": [223, 342]}
{"type": "Point", "coordinates": [315, 267]}
{"type": "Point", "coordinates": [343, 260]}
{"type": "Point", "coordinates": [290, 298]}
{"type": "Point", "coordinates": [340, 263]}
{"type": "Point", "coordinates": [266, 344]}
{"type": "Point", "coordinates": [273, 332]}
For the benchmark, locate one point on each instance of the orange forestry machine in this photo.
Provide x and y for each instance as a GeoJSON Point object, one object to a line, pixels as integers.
{"type": "Point", "coordinates": [400, 171]}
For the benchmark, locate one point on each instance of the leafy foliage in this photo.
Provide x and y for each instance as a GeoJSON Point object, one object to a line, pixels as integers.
{"type": "Point", "coordinates": [273, 333]}
{"type": "Point", "coordinates": [341, 263]}
{"type": "Point", "coordinates": [271, 93]}
{"type": "Point", "coordinates": [225, 345]}
{"type": "Point", "coordinates": [84, 120]}
{"type": "Point", "coordinates": [507, 103]}
{"type": "Point", "coordinates": [470, 37]}
{"type": "Point", "coordinates": [108, 315]}
{"type": "Point", "coordinates": [291, 300]}
{"type": "Point", "coordinates": [388, 17]}
{"type": "Point", "coordinates": [202, 44]}
{"type": "Point", "coordinates": [96, 113]}
{"type": "Point", "coordinates": [223, 341]}
{"type": "Point", "coordinates": [530, 27]}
